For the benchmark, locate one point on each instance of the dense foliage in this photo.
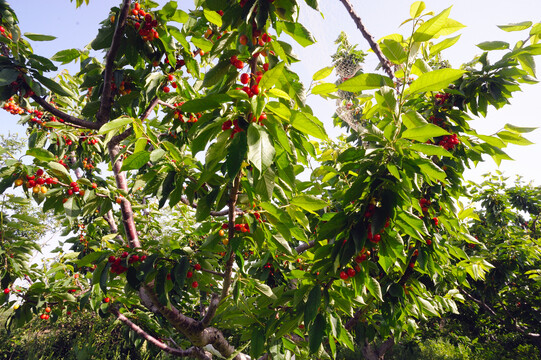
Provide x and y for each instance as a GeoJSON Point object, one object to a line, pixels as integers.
{"type": "Point", "coordinates": [198, 206]}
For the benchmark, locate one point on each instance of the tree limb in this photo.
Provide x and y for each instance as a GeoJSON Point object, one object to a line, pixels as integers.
{"type": "Point", "coordinates": [71, 120]}
{"type": "Point", "coordinates": [192, 352]}
{"type": "Point", "coordinates": [104, 112]}
{"type": "Point", "coordinates": [192, 329]}
{"type": "Point", "coordinates": [211, 311]}
{"type": "Point", "coordinates": [233, 196]}
{"type": "Point", "coordinates": [385, 63]}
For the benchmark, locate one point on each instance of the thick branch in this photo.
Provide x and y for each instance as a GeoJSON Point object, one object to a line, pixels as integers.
{"type": "Point", "coordinates": [193, 351]}
{"type": "Point", "coordinates": [385, 63]}
{"type": "Point", "coordinates": [233, 196]}
{"type": "Point", "coordinates": [106, 98]}
{"type": "Point", "coordinates": [192, 329]}
{"type": "Point", "coordinates": [122, 184]}
{"type": "Point", "coordinates": [211, 311]}
{"type": "Point", "coordinates": [66, 117]}
{"type": "Point", "coordinates": [305, 246]}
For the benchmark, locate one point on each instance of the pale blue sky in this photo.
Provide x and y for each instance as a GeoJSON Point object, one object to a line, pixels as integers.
{"type": "Point", "coordinates": [77, 27]}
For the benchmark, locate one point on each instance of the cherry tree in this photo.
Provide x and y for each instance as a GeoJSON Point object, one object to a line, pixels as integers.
{"type": "Point", "coordinates": [204, 204]}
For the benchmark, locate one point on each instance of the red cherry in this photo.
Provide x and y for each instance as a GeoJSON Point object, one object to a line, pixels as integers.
{"type": "Point", "coordinates": [428, 242]}
{"type": "Point", "coordinates": [47, 309]}
{"type": "Point", "coordinates": [351, 272]}
{"type": "Point", "coordinates": [343, 275]}
{"type": "Point", "coordinates": [244, 78]}
{"type": "Point", "coordinates": [73, 184]}
{"type": "Point", "coordinates": [197, 266]}
{"type": "Point", "coordinates": [189, 274]}
{"type": "Point", "coordinates": [266, 66]}
{"type": "Point", "coordinates": [195, 284]}
{"type": "Point", "coordinates": [243, 39]}
{"type": "Point", "coordinates": [39, 172]}
{"type": "Point", "coordinates": [170, 77]}
{"type": "Point", "coordinates": [6, 291]}
{"type": "Point", "coordinates": [412, 265]}
{"type": "Point", "coordinates": [255, 89]}
{"type": "Point", "coordinates": [124, 254]}
{"type": "Point", "coordinates": [106, 300]}
{"type": "Point", "coordinates": [166, 89]}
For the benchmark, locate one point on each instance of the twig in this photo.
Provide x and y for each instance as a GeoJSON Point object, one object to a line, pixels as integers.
{"type": "Point", "coordinates": [385, 63]}
{"type": "Point", "coordinates": [193, 351]}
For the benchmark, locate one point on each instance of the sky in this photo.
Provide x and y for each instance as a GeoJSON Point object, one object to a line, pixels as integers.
{"type": "Point", "coordinates": [75, 28]}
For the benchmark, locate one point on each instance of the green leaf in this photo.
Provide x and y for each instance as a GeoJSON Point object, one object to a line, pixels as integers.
{"type": "Point", "coordinates": [323, 73]}
{"type": "Point", "coordinates": [374, 288]}
{"type": "Point", "coordinates": [236, 153]}
{"type": "Point", "coordinates": [207, 103]}
{"type": "Point", "coordinates": [66, 56]}
{"type": "Point", "coordinates": [115, 124]}
{"type": "Point", "coordinates": [202, 43]}
{"type": "Point", "coordinates": [136, 161]}
{"type": "Point", "coordinates": [264, 289]}
{"type": "Point", "coordinates": [424, 132]}
{"type": "Point", "coordinates": [213, 17]}
{"type": "Point", "coordinates": [518, 129]}
{"type": "Point", "coordinates": [444, 44]}
{"type": "Point", "coordinates": [493, 45]}
{"type": "Point", "coordinates": [527, 62]}
{"type": "Point", "coordinates": [180, 16]}
{"type": "Point", "coordinates": [416, 9]}
{"type": "Point", "coordinates": [272, 76]}
{"type": "Point", "coordinates": [7, 76]}
{"type": "Point", "coordinates": [435, 80]}
{"type": "Point", "coordinates": [365, 82]}
{"type": "Point", "coordinates": [308, 124]}
{"type": "Point", "coordinates": [39, 37]}
{"type": "Point", "coordinates": [309, 203]}
{"type": "Point", "coordinates": [430, 150]}
{"type": "Point", "coordinates": [174, 151]}
{"type": "Point", "coordinates": [513, 138]}
{"type": "Point", "coordinates": [28, 219]}
{"type": "Point", "coordinates": [217, 73]}
{"type": "Point", "coordinates": [89, 258]}
{"type": "Point", "coordinates": [58, 169]}
{"type": "Point", "coordinates": [257, 345]}
{"type": "Point", "coordinates": [431, 27]}
{"type": "Point", "coordinates": [312, 305]}
{"type": "Point", "coordinates": [431, 170]}
{"type": "Point", "coordinates": [394, 51]}
{"type": "Point", "coordinates": [323, 89]}
{"type": "Point", "coordinates": [71, 208]}
{"type": "Point", "coordinates": [53, 86]}
{"type": "Point", "coordinates": [316, 332]}
{"type": "Point", "coordinates": [40, 154]}
{"type": "Point", "coordinates": [103, 277]}
{"type": "Point", "coordinates": [179, 272]}
{"type": "Point", "coordinates": [297, 31]}
{"type": "Point", "coordinates": [516, 26]}
{"type": "Point", "coordinates": [260, 149]}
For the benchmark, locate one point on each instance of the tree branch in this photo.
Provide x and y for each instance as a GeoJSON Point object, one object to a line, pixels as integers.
{"type": "Point", "coordinates": [385, 63]}
{"type": "Point", "coordinates": [122, 184]}
{"type": "Point", "coordinates": [211, 311]}
{"type": "Point", "coordinates": [106, 98]}
{"type": "Point", "coordinates": [193, 351]}
{"type": "Point", "coordinates": [192, 329]}
{"type": "Point", "coordinates": [305, 246]}
{"type": "Point", "coordinates": [233, 196]}
{"type": "Point", "coordinates": [72, 120]}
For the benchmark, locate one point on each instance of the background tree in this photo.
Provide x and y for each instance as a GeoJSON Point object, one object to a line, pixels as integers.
{"type": "Point", "coordinates": [237, 251]}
